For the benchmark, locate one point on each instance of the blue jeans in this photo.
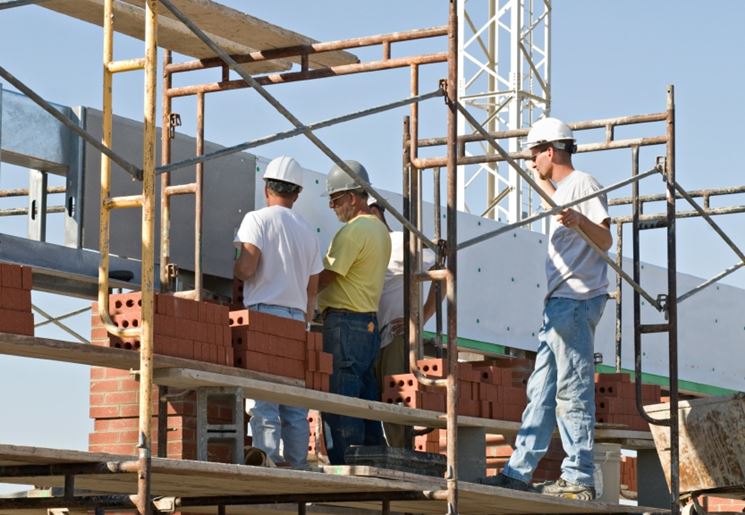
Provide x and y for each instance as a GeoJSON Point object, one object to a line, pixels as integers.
{"type": "Point", "coordinates": [354, 341]}
{"type": "Point", "coordinates": [271, 422]}
{"type": "Point", "coordinates": [561, 390]}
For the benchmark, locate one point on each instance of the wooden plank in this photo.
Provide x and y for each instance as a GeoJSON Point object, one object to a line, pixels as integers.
{"type": "Point", "coordinates": [329, 402]}
{"type": "Point", "coordinates": [82, 354]}
{"type": "Point", "coordinates": [249, 31]}
{"type": "Point", "coordinates": [181, 372]}
{"type": "Point", "coordinates": [191, 478]}
{"type": "Point", "coordinates": [130, 20]}
{"type": "Point", "coordinates": [232, 30]}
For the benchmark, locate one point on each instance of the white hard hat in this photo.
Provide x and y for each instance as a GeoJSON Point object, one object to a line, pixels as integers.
{"type": "Point", "coordinates": [284, 169]}
{"type": "Point", "coordinates": [550, 130]}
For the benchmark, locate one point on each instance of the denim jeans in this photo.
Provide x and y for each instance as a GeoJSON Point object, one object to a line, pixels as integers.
{"type": "Point", "coordinates": [354, 341]}
{"type": "Point", "coordinates": [561, 391]}
{"type": "Point", "coordinates": [271, 422]}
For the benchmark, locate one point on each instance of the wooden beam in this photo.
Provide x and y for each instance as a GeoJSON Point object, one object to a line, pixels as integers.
{"type": "Point", "coordinates": [130, 20]}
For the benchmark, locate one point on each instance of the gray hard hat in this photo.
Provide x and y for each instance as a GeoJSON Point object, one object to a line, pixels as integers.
{"type": "Point", "coordinates": [338, 180]}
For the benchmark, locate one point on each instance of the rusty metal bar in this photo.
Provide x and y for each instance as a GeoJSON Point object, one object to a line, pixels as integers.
{"type": "Point", "coordinates": [438, 238]}
{"type": "Point", "coordinates": [128, 65]}
{"type": "Point", "coordinates": [62, 469]}
{"type": "Point", "coordinates": [163, 503]}
{"type": "Point", "coordinates": [181, 189]}
{"type": "Point", "coordinates": [555, 210]}
{"type": "Point", "coordinates": [692, 193]}
{"type": "Point", "coordinates": [126, 165]}
{"type": "Point", "coordinates": [318, 73]}
{"type": "Point", "coordinates": [166, 167]}
{"type": "Point", "coordinates": [576, 126]}
{"type": "Point", "coordinates": [314, 48]}
{"type": "Point", "coordinates": [711, 222]}
{"type": "Point", "coordinates": [23, 192]}
{"type": "Point", "coordinates": [18, 211]}
{"type": "Point", "coordinates": [672, 306]}
{"type": "Point", "coordinates": [121, 501]}
{"type": "Point", "coordinates": [406, 208]}
{"type": "Point", "coordinates": [724, 273]}
{"type": "Point", "coordinates": [660, 217]}
{"type": "Point", "coordinates": [144, 505]}
{"type": "Point", "coordinates": [432, 162]}
{"type": "Point", "coordinates": [199, 202]}
{"type": "Point", "coordinates": [526, 176]}
{"type": "Point", "coordinates": [292, 119]}
{"type": "Point", "coordinates": [451, 474]}
{"type": "Point", "coordinates": [165, 179]}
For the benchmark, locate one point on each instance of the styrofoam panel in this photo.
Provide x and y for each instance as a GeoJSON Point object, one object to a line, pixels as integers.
{"type": "Point", "coordinates": [502, 284]}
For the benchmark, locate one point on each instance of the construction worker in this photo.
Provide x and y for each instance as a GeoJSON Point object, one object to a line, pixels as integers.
{"type": "Point", "coordinates": [561, 388]}
{"type": "Point", "coordinates": [350, 287]}
{"type": "Point", "coordinates": [390, 315]}
{"type": "Point", "coordinates": [279, 263]}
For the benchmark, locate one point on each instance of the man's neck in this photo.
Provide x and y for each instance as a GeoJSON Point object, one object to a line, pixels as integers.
{"type": "Point", "coordinates": [561, 172]}
{"type": "Point", "coordinates": [274, 200]}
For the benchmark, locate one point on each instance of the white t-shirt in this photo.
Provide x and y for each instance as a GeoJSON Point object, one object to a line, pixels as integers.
{"type": "Point", "coordinates": [573, 269]}
{"type": "Point", "coordinates": [290, 254]}
{"type": "Point", "coordinates": [392, 300]}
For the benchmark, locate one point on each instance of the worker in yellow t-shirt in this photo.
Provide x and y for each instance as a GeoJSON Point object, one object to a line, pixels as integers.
{"type": "Point", "coordinates": [350, 287]}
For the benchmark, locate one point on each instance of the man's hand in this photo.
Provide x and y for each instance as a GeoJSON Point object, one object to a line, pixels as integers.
{"type": "Point", "coordinates": [570, 218]}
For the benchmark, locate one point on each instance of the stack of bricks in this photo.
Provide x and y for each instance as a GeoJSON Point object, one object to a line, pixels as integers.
{"type": "Point", "coordinates": [182, 328]}
{"type": "Point", "coordinates": [628, 473]}
{"type": "Point", "coordinates": [15, 300]}
{"type": "Point", "coordinates": [722, 504]}
{"type": "Point", "coordinates": [279, 346]}
{"type": "Point", "coordinates": [114, 406]}
{"type": "Point", "coordinates": [615, 403]}
{"type": "Point", "coordinates": [485, 390]}
{"type": "Point", "coordinates": [316, 446]}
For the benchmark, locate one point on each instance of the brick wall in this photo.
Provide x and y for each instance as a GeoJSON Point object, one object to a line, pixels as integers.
{"type": "Point", "coordinates": [15, 300]}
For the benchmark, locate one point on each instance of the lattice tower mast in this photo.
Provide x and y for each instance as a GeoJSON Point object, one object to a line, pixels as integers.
{"type": "Point", "coordinates": [504, 67]}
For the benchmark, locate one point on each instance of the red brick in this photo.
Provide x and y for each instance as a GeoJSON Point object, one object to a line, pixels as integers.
{"type": "Point", "coordinates": [10, 276]}
{"type": "Point", "coordinates": [434, 367]}
{"type": "Point", "coordinates": [325, 362]}
{"type": "Point", "coordinates": [15, 299]}
{"type": "Point", "coordinates": [239, 317]}
{"type": "Point", "coordinates": [16, 322]}
{"type": "Point", "coordinates": [26, 278]}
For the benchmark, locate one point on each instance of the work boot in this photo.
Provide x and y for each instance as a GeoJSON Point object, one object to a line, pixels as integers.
{"type": "Point", "coordinates": [565, 489]}
{"type": "Point", "coordinates": [503, 481]}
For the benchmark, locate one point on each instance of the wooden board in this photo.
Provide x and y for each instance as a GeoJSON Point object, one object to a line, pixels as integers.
{"type": "Point", "coordinates": [83, 354]}
{"type": "Point", "coordinates": [186, 373]}
{"type": "Point", "coordinates": [191, 478]}
{"type": "Point", "coordinates": [235, 32]}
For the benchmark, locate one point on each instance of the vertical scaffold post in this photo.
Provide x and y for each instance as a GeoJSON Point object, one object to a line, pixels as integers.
{"type": "Point", "coordinates": [452, 250]}
{"type": "Point", "coordinates": [672, 304]}
{"type": "Point", "coordinates": [148, 258]}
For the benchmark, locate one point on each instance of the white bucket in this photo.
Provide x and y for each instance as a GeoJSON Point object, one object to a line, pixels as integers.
{"type": "Point", "coordinates": [607, 471]}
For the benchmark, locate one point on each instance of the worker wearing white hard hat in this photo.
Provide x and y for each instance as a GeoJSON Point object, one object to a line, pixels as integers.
{"type": "Point", "coordinates": [561, 389]}
{"type": "Point", "coordinates": [350, 287]}
{"type": "Point", "coordinates": [279, 263]}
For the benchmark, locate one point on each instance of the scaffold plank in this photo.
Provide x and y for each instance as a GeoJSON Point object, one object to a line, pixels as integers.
{"type": "Point", "coordinates": [184, 479]}
{"type": "Point", "coordinates": [234, 31]}
{"type": "Point", "coordinates": [186, 373]}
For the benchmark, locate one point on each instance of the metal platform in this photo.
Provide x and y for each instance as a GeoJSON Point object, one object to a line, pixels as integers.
{"type": "Point", "coordinates": [185, 483]}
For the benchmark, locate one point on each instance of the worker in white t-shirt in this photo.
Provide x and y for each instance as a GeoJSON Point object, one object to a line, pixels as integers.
{"type": "Point", "coordinates": [390, 315]}
{"type": "Point", "coordinates": [279, 263]}
{"type": "Point", "coordinates": [561, 389]}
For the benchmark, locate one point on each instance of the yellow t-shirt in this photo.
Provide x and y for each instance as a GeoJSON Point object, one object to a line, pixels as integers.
{"type": "Point", "coordinates": [359, 254]}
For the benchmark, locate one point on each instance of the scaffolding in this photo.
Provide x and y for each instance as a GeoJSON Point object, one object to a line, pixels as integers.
{"type": "Point", "coordinates": [413, 170]}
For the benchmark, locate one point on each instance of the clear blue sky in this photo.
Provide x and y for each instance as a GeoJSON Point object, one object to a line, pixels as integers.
{"type": "Point", "coordinates": [609, 59]}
